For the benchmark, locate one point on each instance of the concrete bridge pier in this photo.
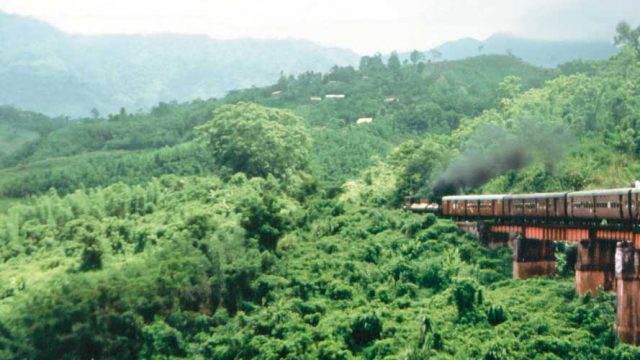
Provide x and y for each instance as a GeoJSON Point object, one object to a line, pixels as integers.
{"type": "Point", "coordinates": [533, 258]}
{"type": "Point", "coordinates": [489, 238]}
{"type": "Point", "coordinates": [627, 293]}
{"type": "Point", "coordinates": [595, 266]}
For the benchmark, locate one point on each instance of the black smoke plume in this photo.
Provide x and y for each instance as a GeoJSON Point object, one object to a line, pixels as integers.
{"type": "Point", "coordinates": [494, 150]}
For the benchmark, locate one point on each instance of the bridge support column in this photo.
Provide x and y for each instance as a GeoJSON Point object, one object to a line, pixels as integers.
{"type": "Point", "coordinates": [489, 238]}
{"type": "Point", "coordinates": [627, 293]}
{"type": "Point", "coordinates": [533, 258]}
{"type": "Point", "coordinates": [595, 266]}
{"type": "Point", "coordinates": [494, 240]}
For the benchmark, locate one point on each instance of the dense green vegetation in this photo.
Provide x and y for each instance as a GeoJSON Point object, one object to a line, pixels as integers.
{"type": "Point", "coordinates": [194, 267]}
{"type": "Point", "coordinates": [424, 98]}
{"type": "Point", "coordinates": [579, 131]}
{"type": "Point", "coordinates": [18, 128]}
{"type": "Point", "coordinates": [264, 225]}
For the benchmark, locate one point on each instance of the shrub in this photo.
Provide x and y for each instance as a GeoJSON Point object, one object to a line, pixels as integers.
{"type": "Point", "coordinates": [411, 227]}
{"type": "Point", "coordinates": [372, 253]}
{"type": "Point", "coordinates": [381, 349]}
{"type": "Point", "coordinates": [199, 224]}
{"type": "Point", "coordinates": [429, 220]}
{"type": "Point", "coordinates": [495, 315]}
{"type": "Point", "coordinates": [332, 350]}
{"type": "Point", "coordinates": [365, 328]}
{"type": "Point", "coordinates": [265, 284]}
{"type": "Point", "coordinates": [465, 296]}
{"type": "Point", "coordinates": [407, 289]}
{"type": "Point", "coordinates": [403, 271]}
{"type": "Point", "coordinates": [432, 276]}
{"type": "Point", "coordinates": [262, 218]}
{"type": "Point", "coordinates": [91, 258]}
{"type": "Point", "coordinates": [161, 339]}
{"type": "Point", "coordinates": [385, 295]}
{"type": "Point", "coordinates": [340, 291]}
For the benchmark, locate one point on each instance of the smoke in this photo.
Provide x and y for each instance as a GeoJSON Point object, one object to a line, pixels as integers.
{"type": "Point", "coordinates": [494, 150]}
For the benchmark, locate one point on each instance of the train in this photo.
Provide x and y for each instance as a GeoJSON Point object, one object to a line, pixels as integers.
{"type": "Point", "coordinates": [610, 205]}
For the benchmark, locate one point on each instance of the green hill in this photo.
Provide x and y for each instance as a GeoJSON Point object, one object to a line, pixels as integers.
{"type": "Point", "coordinates": [545, 53]}
{"type": "Point", "coordinates": [18, 128]}
{"type": "Point", "coordinates": [153, 244]}
{"type": "Point", "coordinates": [55, 73]}
{"type": "Point", "coordinates": [425, 98]}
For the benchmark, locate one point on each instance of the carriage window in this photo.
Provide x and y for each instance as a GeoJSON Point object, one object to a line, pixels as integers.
{"type": "Point", "coordinates": [582, 204]}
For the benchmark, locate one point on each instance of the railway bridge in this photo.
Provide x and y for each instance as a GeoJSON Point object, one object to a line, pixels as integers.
{"type": "Point", "coordinates": [608, 259]}
{"type": "Point", "coordinates": [604, 223]}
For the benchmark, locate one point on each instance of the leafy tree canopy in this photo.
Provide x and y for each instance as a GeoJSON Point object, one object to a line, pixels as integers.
{"type": "Point", "coordinates": [257, 140]}
{"type": "Point", "coordinates": [626, 35]}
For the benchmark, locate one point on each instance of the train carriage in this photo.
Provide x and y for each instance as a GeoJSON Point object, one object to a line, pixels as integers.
{"type": "Point", "coordinates": [473, 205]}
{"type": "Point", "coordinates": [540, 205]}
{"type": "Point", "coordinates": [634, 206]}
{"type": "Point", "coordinates": [610, 204]}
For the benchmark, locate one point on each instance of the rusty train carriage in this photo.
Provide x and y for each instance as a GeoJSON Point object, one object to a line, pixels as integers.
{"type": "Point", "coordinates": [473, 205]}
{"type": "Point", "coordinates": [540, 205]}
{"type": "Point", "coordinates": [613, 205]}
{"type": "Point", "coordinates": [600, 204]}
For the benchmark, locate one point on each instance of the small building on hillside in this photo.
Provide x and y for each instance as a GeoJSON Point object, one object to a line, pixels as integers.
{"type": "Point", "coordinates": [390, 99]}
{"type": "Point", "coordinates": [334, 96]}
{"type": "Point", "coordinates": [276, 93]}
{"type": "Point", "coordinates": [315, 98]}
{"type": "Point", "coordinates": [364, 120]}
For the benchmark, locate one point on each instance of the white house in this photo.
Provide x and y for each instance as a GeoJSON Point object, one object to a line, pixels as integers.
{"type": "Point", "coordinates": [364, 120]}
{"type": "Point", "coordinates": [334, 96]}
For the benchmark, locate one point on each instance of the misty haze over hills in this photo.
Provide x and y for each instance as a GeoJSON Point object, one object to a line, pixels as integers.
{"type": "Point", "coordinates": [55, 73]}
{"type": "Point", "coordinates": [49, 71]}
{"type": "Point", "coordinates": [537, 52]}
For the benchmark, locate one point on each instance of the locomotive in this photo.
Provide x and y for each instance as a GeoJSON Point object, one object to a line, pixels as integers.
{"type": "Point", "coordinates": [620, 206]}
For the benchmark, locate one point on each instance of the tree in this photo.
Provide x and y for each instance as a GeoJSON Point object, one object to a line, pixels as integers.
{"type": "Point", "coordinates": [394, 62]}
{"type": "Point", "coordinates": [510, 87]}
{"type": "Point", "coordinates": [422, 117]}
{"type": "Point", "coordinates": [626, 35]}
{"type": "Point", "coordinates": [257, 140]}
{"type": "Point", "coordinates": [372, 64]}
{"type": "Point", "coordinates": [416, 56]}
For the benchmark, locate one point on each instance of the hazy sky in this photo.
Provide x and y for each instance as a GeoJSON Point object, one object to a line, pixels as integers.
{"type": "Point", "coordinates": [365, 26]}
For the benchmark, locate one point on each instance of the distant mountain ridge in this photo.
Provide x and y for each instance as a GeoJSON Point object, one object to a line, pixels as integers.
{"type": "Point", "coordinates": [43, 69]}
{"type": "Point", "coordinates": [537, 52]}
{"type": "Point", "coordinates": [46, 70]}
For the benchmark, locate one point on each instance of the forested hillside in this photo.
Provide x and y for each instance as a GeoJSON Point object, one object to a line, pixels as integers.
{"type": "Point", "coordinates": [56, 73]}
{"type": "Point", "coordinates": [265, 224]}
{"type": "Point", "coordinates": [405, 101]}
